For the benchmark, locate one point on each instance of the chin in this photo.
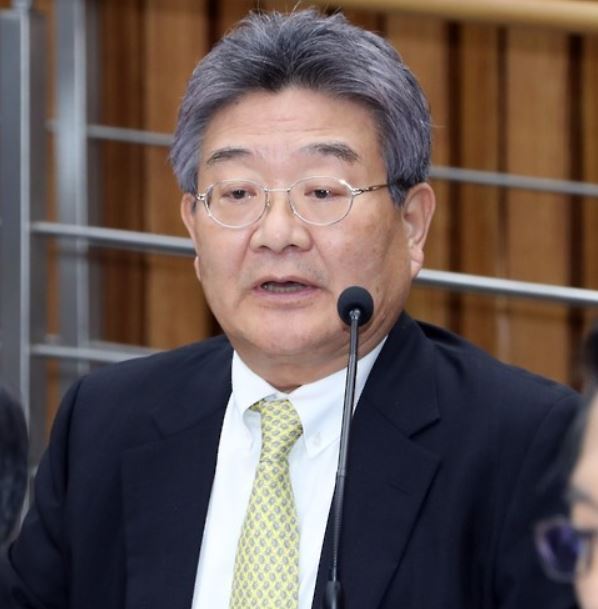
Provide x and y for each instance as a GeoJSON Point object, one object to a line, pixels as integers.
{"type": "Point", "coordinates": [289, 340]}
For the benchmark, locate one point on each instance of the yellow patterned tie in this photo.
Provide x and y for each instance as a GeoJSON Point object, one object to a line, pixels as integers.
{"type": "Point", "coordinates": [267, 564]}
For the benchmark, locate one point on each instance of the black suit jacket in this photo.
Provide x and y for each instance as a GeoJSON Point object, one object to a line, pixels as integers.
{"type": "Point", "coordinates": [450, 463]}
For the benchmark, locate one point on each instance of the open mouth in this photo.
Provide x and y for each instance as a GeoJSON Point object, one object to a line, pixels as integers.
{"type": "Point", "coordinates": [283, 287]}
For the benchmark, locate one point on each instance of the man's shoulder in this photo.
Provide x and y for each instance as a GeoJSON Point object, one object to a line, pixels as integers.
{"type": "Point", "coordinates": [142, 384]}
{"type": "Point", "coordinates": [488, 407]}
{"type": "Point", "coordinates": [153, 367]}
{"type": "Point", "coordinates": [470, 369]}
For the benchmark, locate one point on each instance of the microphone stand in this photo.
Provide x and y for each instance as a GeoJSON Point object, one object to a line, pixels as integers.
{"type": "Point", "coordinates": [333, 594]}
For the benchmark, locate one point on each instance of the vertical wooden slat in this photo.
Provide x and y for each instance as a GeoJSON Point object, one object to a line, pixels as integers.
{"type": "Point", "coordinates": [230, 12]}
{"type": "Point", "coordinates": [46, 8]}
{"type": "Point", "coordinates": [480, 229]}
{"type": "Point", "coordinates": [589, 153]}
{"type": "Point", "coordinates": [368, 20]}
{"type": "Point", "coordinates": [176, 33]}
{"type": "Point", "coordinates": [422, 42]}
{"type": "Point", "coordinates": [121, 168]}
{"type": "Point", "coordinates": [538, 224]}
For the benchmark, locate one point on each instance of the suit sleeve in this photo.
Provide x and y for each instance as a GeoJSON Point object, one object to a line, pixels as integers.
{"type": "Point", "coordinates": [538, 493]}
{"type": "Point", "coordinates": [36, 568]}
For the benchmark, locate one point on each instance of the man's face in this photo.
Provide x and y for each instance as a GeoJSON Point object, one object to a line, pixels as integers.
{"type": "Point", "coordinates": [584, 509]}
{"type": "Point", "coordinates": [273, 286]}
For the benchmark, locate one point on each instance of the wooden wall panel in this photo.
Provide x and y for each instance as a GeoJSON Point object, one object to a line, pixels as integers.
{"type": "Point", "coordinates": [176, 36]}
{"type": "Point", "coordinates": [229, 12]}
{"type": "Point", "coordinates": [121, 168]}
{"type": "Point", "coordinates": [423, 44]}
{"type": "Point", "coordinates": [538, 240]}
{"type": "Point", "coordinates": [500, 100]}
{"type": "Point", "coordinates": [589, 161]}
{"type": "Point", "coordinates": [366, 19]}
{"type": "Point", "coordinates": [478, 208]}
{"type": "Point", "coordinates": [46, 8]}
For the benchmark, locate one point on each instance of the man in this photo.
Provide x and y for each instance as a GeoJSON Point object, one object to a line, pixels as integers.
{"type": "Point", "coordinates": [566, 545]}
{"type": "Point", "coordinates": [203, 477]}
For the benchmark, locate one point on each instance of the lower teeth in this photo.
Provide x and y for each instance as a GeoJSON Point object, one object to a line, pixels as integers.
{"type": "Point", "coordinates": [283, 288]}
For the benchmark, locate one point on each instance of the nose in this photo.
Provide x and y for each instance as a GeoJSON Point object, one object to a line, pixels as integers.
{"type": "Point", "coordinates": [280, 228]}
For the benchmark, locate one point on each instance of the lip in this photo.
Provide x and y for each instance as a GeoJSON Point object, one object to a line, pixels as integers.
{"type": "Point", "coordinates": [284, 279]}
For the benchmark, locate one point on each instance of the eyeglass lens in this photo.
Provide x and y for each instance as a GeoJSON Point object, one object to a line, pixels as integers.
{"type": "Point", "coordinates": [564, 550]}
{"type": "Point", "coordinates": [316, 200]}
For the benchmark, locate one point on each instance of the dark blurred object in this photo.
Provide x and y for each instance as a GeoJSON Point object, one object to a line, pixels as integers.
{"type": "Point", "coordinates": [591, 358]}
{"type": "Point", "coordinates": [13, 463]}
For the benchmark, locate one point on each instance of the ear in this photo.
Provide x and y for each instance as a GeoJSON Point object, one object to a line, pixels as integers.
{"type": "Point", "coordinates": [188, 215]}
{"type": "Point", "coordinates": [188, 212]}
{"type": "Point", "coordinates": [418, 209]}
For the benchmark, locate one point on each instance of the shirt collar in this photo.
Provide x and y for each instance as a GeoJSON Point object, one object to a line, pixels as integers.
{"type": "Point", "coordinates": [319, 404]}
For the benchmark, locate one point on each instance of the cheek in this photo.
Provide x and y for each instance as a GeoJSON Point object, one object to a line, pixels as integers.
{"type": "Point", "coordinates": [376, 258]}
{"type": "Point", "coordinates": [586, 588]}
{"type": "Point", "coordinates": [219, 260]}
{"type": "Point", "coordinates": [373, 238]}
{"type": "Point", "coordinates": [386, 253]}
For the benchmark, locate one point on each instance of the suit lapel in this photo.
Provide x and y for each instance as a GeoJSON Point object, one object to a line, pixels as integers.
{"type": "Point", "coordinates": [167, 485]}
{"type": "Point", "coordinates": [167, 482]}
{"type": "Point", "coordinates": [389, 473]}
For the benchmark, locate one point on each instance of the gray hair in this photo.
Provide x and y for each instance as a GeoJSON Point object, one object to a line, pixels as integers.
{"type": "Point", "coordinates": [273, 51]}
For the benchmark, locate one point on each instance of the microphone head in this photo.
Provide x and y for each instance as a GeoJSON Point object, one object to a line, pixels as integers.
{"type": "Point", "coordinates": [353, 298]}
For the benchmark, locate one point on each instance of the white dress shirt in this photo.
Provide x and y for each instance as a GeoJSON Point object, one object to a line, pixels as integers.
{"type": "Point", "coordinates": [312, 463]}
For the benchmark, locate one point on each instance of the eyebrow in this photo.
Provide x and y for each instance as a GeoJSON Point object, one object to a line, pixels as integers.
{"type": "Point", "coordinates": [226, 154]}
{"type": "Point", "coordinates": [336, 149]}
{"type": "Point", "coordinates": [578, 495]}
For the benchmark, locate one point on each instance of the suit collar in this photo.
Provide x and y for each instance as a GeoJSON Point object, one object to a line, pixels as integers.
{"type": "Point", "coordinates": [197, 387]}
{"type": "Point", "coordinates": [167, 482]}
{"type": "Point", "coordinates": [389, 474]}
{"type": "Point", "coordinates": [402, 384]}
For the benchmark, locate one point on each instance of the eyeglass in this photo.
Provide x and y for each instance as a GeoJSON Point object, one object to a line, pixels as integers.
{"type": "Point", "coordinates": [565, 551]}
{"type": "Point", "coordinates": [318, 200]}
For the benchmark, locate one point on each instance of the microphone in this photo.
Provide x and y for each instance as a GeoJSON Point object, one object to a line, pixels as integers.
{"type": "Point", "coordinates": [356, 300]}
{"type": "Point", "coordinates": [355, 307]}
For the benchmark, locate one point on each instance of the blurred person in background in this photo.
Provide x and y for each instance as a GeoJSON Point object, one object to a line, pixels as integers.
{"type": "Point", "coordinates": [568, 546]}
{"type": "Point", "coordinates": [13, 463]}
{"type": "Point", "coordinates": [13, 470]}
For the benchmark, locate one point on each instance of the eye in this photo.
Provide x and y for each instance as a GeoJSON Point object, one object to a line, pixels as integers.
{"type": "Point", "coordinates": [326, 189]}
{"type": "Point", "coordinates": [321, 193]}
{"type": "Point", "coordinates": [235, 193]}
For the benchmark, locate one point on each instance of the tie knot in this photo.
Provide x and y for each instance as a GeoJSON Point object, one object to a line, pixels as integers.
{"type": "Point", "coordinates": [281, 428]}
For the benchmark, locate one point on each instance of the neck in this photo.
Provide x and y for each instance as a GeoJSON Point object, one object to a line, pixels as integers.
{"type": "Point", "coordinates": [287, 372]}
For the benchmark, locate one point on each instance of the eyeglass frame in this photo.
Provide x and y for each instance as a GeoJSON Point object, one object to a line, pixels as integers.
{"type": "Point", "coordinates": [587, 535]}
{"type": "Point", "coordinates": [203, 198]}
